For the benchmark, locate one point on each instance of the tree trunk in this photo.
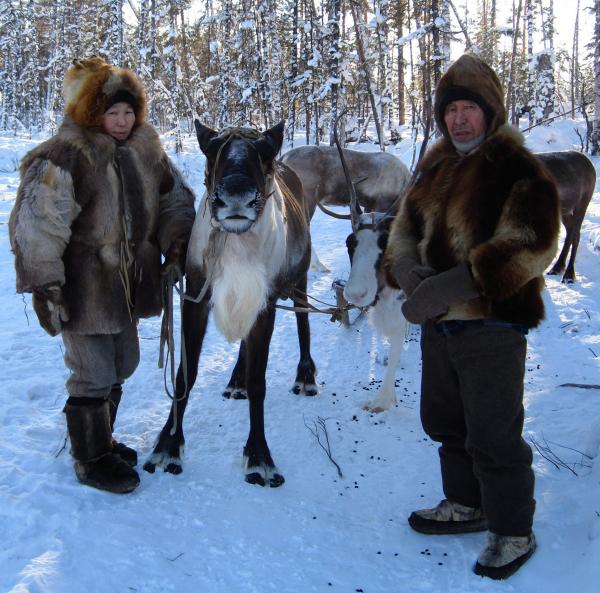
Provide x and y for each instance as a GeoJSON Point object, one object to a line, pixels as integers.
{"type": "Point", "coordinates": [595, 136]}
{"type": "Point", "coordinates": [365, 70]}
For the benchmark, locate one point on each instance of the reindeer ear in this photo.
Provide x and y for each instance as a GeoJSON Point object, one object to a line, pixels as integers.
{"type": "Point", "coordinates": [270, 144]}
{"type": "Point", "coordinates": [204, 135]}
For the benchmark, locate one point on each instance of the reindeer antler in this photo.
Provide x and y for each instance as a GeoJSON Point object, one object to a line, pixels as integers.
{"type": "Point", "coordinates": [355, 210]}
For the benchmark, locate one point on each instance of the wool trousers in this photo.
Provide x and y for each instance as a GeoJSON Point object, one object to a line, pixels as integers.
{"type": "Point", "coordinates": [472, 403]}
{"type": "Point", "coordinates": [101, 361]}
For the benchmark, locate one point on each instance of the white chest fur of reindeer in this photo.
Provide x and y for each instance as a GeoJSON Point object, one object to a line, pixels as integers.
{"type": "Point", "coordinates": [240, 267]}
{"type": "Point", "coordinates": [365, 286]}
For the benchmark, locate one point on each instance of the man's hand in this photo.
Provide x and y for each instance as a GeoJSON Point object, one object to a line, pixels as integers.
{"type": "Point", "coordinates": [409, 273]}
{"type": "Point", "coordinates": [434, 295]}
{"type": "Point", "coordinates": [175, 257]}
{"type": "Point", "coordinates": [50, 308]}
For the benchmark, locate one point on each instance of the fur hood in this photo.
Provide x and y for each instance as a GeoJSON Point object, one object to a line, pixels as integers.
{"type": "Point", "coordinates": [89, 86]}
{"type": "Point", "coordinates": [471, 75]}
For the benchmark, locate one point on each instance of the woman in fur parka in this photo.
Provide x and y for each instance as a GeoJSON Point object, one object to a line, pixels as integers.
{"type": "Point", "coordinates": [469, 247]}
{"type": "Point", "coordinates": [97, 205]}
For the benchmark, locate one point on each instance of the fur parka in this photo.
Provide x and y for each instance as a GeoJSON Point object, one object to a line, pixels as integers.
{"type": "Point", "coordinates": [93, 215]}
{"type": "Point", "coordinates": [496, 209]}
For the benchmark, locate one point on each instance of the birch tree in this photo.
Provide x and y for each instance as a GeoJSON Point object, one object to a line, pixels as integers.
{"type": "Point", "coordinates": [595, 135]}
{"type": "Point", "coordinates": [544, 66]}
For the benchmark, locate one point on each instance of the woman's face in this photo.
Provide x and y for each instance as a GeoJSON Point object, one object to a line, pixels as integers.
{"type": "Point", "coordinates": [118, 120]}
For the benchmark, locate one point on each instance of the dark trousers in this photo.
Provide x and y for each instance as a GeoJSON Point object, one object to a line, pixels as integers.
{"type": "Point", "coordinates": [472, 403]}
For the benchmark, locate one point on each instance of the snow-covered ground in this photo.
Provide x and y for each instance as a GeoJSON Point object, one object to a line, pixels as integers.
{"type": "Point", "coordinates": [208, 531]}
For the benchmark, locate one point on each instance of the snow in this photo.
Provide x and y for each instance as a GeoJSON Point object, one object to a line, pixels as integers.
{"type": "Point", "coordinates": [207, 530]}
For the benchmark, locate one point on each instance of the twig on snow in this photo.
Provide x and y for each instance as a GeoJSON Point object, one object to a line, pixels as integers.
{"type": "Point", "coordinates": [549, 455]}
{"type": "Point", "coordinates": [581, 385]}
{"type": "Point", "coordinates": [320, 427]}
{"type": "Point", "coordinates": [63, 446]}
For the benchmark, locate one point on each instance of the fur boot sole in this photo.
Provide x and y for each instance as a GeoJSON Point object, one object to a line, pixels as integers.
{"type": "Point", "coordinates": [433, 527]}
{"type": "Point", "coordinates": [110, 473]}
{"type": "Point", "coordinates": [499, 573]}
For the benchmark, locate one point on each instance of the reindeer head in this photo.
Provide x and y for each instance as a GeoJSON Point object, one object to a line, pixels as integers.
{"type": "Point", "coordinates": [239, 172]}
{"type": "Point", "coordinates": [365, 249]}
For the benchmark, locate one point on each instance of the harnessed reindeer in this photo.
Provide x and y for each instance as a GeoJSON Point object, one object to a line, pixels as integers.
{"type": "Point", "coordinates": [575, 178]}
{"type": "Point", "coordinates": [366, 286]}
{"type": "Point", "coordinates": [250, 245]}
{"type": "Point", "coordinates": [366, 283]}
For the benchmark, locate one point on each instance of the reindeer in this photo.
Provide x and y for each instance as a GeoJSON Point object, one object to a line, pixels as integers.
{"type": "Point", "coordinates": [366, 286]}
{"type": "Point", "coordinates": [250, 245]}
{"type": "Point", "coordinates": [575, 178]}
{"type": "Point", "coordinates": [380, 179]}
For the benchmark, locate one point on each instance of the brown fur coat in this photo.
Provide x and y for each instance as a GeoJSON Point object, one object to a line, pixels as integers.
{"type": "Point", "coordinates": [86, 206]}
{"type": "Point", "coordinates": [496, 209]}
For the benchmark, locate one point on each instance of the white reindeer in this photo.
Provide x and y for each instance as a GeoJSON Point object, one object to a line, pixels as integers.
{"type": "Point", "coordinates": [366, 286]}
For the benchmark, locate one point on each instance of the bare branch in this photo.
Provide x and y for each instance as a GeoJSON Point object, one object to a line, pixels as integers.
{"type": "Point", "coordinates": [319, 425]}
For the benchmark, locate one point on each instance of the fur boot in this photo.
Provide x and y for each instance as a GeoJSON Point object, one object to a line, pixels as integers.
{"type": "Point", "coordinates": [503, 555]}
{"type": "Point", "coordinates": [88, 423]}
{"type": "Point", "coordinates": [126, 453]}
{"type": "Point", "coordinates": [446, 518]}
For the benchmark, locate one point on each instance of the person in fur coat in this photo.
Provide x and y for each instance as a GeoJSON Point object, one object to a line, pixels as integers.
{"type": "Point", "coordinates": [97, 205]}
{"type": "Point", "coordinates": [469, 246]}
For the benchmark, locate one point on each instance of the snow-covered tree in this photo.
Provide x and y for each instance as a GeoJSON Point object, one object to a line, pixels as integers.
{"type": "Point", "coordinates": [595, 136]}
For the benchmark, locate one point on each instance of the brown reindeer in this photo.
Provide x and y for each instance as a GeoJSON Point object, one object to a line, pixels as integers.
{"type": "Point", "coordinates": [575, 178]}
{"type": "Point", "coordinates": [379, 179]}
{"type": "Point", "coordinates": [250, 245]}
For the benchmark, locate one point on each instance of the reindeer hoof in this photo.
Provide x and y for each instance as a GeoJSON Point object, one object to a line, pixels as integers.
{"type": "Point", "coordinates": [309, 389]}
{"type": "Point", "coordinates": [149, 467]}
{"type": "Point", "coordinates": [276, 480]}
{"type": "Point", "coordinates": [170, 463]}
{"type": "Point", "coordinates": [255, 478]}
{"type": "Point", "coordinates": [173, 468]}
{"type": "Point", "coordinates": [235, 393]}
{"type": "Point", "coordinates": [373, 409]}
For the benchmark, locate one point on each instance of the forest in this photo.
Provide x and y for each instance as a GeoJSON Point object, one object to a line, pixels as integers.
{"type": "Point", "coordinates": [257, 62]}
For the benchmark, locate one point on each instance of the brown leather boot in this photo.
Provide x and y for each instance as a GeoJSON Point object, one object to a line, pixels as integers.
{"type": "Point", "coordinates": [126, 453]}
{"type": "Point", "coordinates": [88, 423]}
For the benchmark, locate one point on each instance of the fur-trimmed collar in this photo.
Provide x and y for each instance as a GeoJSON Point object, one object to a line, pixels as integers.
{"type": "Point", "coordinates": [495, 147]}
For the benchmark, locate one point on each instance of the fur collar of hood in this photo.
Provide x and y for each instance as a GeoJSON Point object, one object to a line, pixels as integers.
{"type": "Point", "coordinates": [472, 74]}
{"type": "Point", "coordinates": [89, 87]}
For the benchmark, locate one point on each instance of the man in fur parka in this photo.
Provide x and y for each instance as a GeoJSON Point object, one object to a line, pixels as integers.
{"type": "Point", "coordinates": [469, 247]}
{"type": "Point", "coordinates": [97, 205]}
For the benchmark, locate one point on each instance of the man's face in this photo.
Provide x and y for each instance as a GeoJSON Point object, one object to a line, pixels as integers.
{"type": "Point", "coordinates": [465, 121]}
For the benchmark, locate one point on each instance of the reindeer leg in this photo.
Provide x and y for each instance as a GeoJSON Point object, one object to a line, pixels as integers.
{"type": "Point", "coordinates": [559, 265]}
{"type": "Point", "coordinates": [306, 370]}
{"type": "Point", "coordinates": [569, 275]}
{"type": "Point", "coordinates": [386, 396]}
{"type": "Point", "coordinates": [258, 464]}
{"type": "Point", "coordinates": [169, 447]}
{"type": "Point", "coordinates": [236, 388]}
{"type": "Point", "coordinates": [316, 265]}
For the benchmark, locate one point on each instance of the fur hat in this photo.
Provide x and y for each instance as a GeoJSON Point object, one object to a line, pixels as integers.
{"type": "Point", "coordinates": [471, 79]}
{"type": "Point", "coordinates": [92, 85]}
